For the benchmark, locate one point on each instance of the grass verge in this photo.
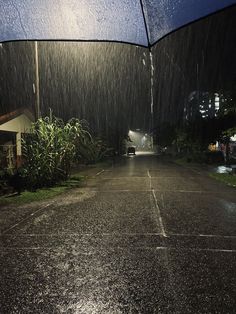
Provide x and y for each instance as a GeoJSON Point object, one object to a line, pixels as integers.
{"type": "Point", "coordinates": [181, 162]}
{"type": "Point", "coordinates": [42, 194]}
{"type": "Point", "coordinates": [185, 163]}
{"type": "Point", "coordinates": [227, 178]}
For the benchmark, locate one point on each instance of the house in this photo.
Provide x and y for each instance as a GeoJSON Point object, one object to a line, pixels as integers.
{"type": "Point", "coordinates": [12, 126]}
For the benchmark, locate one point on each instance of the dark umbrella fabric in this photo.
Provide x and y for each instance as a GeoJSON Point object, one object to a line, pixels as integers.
{"type": "Point", "coordinates": [130, 21]}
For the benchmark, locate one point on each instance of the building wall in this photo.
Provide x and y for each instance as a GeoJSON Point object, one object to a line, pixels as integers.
{"type": "Point", "coordinates": [20, 124]}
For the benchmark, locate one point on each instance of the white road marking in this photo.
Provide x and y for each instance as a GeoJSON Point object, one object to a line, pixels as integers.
{"type": "Point", "coordinates": [83, 234]}
{"type": "Point", "coordinates": [25, 219]}
{"type": "Point", "coordinates": [159, 214]}
{"type": "Point", "coordinates": [157, 206]}
{"type": "Point", "coordinates": [202, 235]}
{"type": "Point", "coordinates": [150, 179]}
{"type": "Point", "coordinates": [149, 190]}
{"type": "Point", "coordinates": [125, 248]}
{"type": "Point", "coordinates": [100, 172]}
{"type": "Point", "coordinates": [170, 235]}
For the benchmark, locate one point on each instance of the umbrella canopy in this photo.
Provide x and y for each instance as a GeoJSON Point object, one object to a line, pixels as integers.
{"type": "Point", "coordinates": [140, 22]}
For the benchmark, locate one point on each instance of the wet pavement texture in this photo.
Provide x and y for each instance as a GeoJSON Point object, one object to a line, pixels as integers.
{"type": "Point", "coordinates": [144, 236]}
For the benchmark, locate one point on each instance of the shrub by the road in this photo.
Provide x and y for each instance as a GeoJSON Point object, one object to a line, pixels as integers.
{"type": "Point", "coordinates": [49, 150]}
{"type": "Point", "coordinates": [92, 150]}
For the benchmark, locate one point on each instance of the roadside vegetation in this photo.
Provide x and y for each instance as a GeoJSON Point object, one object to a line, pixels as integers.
{"type": "Point", "coordinates": [52, 152]}
{"type": "Point", "coordinates": [191, 138]}
{"type": "Point", "coordinates": [28, 196]}
{"type": "Point", "coordinates": [192, 142]}
{"type": "Point", "coordinates": [42, 194]}
{"type": "Point", "coordinates": [224, 177]}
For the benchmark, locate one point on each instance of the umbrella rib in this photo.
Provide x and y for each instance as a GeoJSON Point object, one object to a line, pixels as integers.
{"type": "Point", "coordinates": [145, 23]}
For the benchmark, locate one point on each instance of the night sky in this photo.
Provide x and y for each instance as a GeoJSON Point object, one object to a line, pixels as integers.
{"type": "Point", "coordinates": [108, 84]}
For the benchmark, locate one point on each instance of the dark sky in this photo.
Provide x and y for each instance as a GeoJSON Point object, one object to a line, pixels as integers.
{"type": "Point", "coordinates": [109, 84]}
{"type": "Point", "coordinates": [201, 56]}
{"type": "Point", "coordinates": [95, 81]}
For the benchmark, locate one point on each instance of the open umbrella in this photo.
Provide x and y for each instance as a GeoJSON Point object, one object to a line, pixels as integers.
{"type": "Point", "coordinates": [139, 22]}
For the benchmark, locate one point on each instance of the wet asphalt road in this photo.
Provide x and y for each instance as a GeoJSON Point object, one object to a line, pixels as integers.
{"type": "Point", "coordinates": [146, 236]}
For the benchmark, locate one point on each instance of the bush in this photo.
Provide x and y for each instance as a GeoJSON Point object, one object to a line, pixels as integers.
{"type": "Point", "coordinates": [214, 157]}
{"type": "Point", "coordinates": [198, 157]}
{"type": "Point", "coordinates": [3, 182]}
{"type": "Point", "coordinates": [92, 150]}
{"type": "Point", "coordinates": [49, 150]}
{"type": "Point", "coordinates": [11, 181]}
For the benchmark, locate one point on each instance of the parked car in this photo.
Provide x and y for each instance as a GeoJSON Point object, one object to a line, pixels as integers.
{"type": "Point", "coordinates": [131, 150]}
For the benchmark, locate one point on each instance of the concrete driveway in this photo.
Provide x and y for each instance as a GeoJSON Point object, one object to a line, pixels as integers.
{"type": "Point", "coordinates": [146, 236]}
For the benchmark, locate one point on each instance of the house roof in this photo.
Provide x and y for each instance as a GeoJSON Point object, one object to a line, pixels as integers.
{"type": "Point", "coordinates": [14, 114]}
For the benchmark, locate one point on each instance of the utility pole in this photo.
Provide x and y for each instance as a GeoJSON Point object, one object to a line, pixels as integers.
{"type": "Point", "coordinates": [151, 93]}
{"type": "Point", "coordinates": [37, 100]}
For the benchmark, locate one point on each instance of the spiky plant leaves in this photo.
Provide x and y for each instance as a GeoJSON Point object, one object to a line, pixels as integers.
{"type": "Point", "coordinates": [49, 150]}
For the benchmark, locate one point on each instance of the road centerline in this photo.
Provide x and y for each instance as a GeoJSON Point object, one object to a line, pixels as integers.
{"type": "Point", "coordinates": [156, 206]}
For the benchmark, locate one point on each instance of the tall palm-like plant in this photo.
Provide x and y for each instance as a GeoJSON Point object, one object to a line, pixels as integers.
{"type": "Point", "coordinates": [49, 150]}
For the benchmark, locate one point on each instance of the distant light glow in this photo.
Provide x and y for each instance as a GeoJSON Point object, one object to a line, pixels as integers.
{"type": "Point", "coordinates": [217, 102]}
{"type": "Point", "coordinates": [233, 138]}
{"type": "Point", "coordinates": [223, 169]}
{"type": "Point", "coordinates": [140, 140]}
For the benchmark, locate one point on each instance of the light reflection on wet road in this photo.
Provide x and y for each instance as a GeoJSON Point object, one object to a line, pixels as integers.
{"type": "Point", "coordinates": [146, 236]}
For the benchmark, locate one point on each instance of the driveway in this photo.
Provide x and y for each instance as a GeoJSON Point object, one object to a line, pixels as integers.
{"type": "Point", "coordinates": [145, 236]}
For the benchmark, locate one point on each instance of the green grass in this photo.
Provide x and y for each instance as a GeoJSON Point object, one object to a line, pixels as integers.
{"type": "Point", "coordinates": [226, 178]}
{"type": "Point", "coordinates": [42, 194]}
{"type": "Point", "coordinates": [229, 179]}
{"type": "Point", "coordinates": [181, 161]}
{"type": "Point", "coordinates": [102, 164]}
{"type": "Point", "coordinates": [191, 160]}
{"type": "Point", "coordinates": [76, 177]}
